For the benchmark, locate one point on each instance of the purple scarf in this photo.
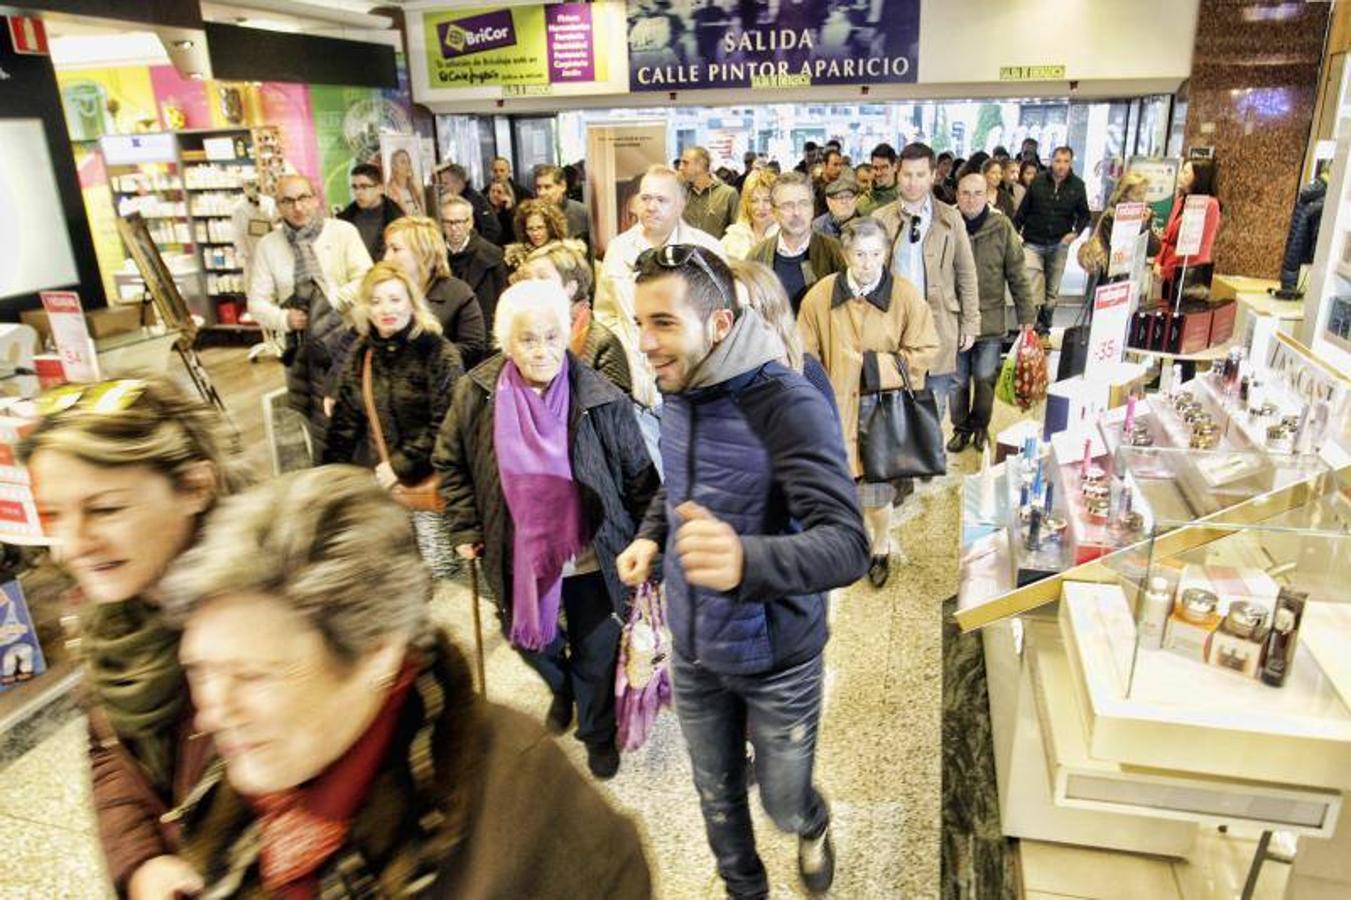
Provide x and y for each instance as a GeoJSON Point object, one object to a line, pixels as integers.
{"type": "Point", "coordinates": [530, 433]}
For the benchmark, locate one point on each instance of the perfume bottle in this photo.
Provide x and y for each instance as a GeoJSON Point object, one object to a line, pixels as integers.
{"type": "Point", "coordinates": [1283, 638]}
{"type": "Point", "coordinates": [1154, 610]}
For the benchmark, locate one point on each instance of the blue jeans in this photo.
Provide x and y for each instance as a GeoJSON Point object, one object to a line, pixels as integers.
{"type": "Point", "coordinates": [782, 713]}
{"type": "Point", "coordinates": [971, 408]}
{"type": "Point", "coordinates": [942, 385]}
{"type": "Point", "coordinates": [1052, 266]}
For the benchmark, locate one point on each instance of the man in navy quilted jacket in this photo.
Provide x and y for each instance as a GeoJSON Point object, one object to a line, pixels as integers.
{"type": "Point", "coordinates": [756, 521]}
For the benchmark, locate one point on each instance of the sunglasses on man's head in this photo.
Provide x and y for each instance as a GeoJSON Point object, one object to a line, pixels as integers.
{"type": "Point", "coordinates": [676, 256]}
{"type": "Point", "coordinates": [105, 397]}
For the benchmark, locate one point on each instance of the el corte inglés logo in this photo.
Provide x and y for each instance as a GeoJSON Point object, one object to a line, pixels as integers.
{"type": "Point", "coordinates": [476, 34]}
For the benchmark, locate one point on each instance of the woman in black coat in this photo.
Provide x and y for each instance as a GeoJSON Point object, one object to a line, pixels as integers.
{"type": "Point", "coordinates": [418, 246]}
{"type": "Point", "coordinates": [549, 515]}
{"type": "Point", "coordinates": [413, 369]}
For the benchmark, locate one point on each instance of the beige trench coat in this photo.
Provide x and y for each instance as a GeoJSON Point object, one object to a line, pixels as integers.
{"type": "Point", "coordinates": [952, 288]}
{"type": "Point", "coordinates": [839, 335]}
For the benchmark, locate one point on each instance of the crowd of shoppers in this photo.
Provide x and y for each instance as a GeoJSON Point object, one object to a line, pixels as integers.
{"type": "Point", "coordinates": [271, 711]}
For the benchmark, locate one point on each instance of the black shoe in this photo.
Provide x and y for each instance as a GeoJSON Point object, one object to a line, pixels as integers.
{"type": "Point", "coordinates": [879, 570]}
{"type": "Point", "coordinates": [560, 714]}
{"type": "Point", "coordinates": [602, 760]}
{"type": "Point", "coordinates": [957, 443]}
{"type": "Point", "coordinates": [980, 439]}
{"type": "Point", "coordinates": [816, 862]}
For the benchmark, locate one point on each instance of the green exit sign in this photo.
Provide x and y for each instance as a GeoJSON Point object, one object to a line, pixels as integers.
{"type": "Point", "coordinates": [1031, 73]}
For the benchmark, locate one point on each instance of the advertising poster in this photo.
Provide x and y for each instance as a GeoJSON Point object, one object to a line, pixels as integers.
{"type": "Point", "coordinates": [117, 100]}
{"type": "Point", "coordinates": [1161, 175]}
{"type": "Point", "coordinates": [702, 44]}
{"type": "Point", "coordinates": [348, 122]}
{"type": "Point", "coordinates": [1111, 316]}
{"type": "Point", "coordinates": [20, 653]}
{"type": "Point", "coordinates": [486, 46]}
{"type": "Point", "coordinates": [517, 48]}
{"type": "Point", "coordinates": [405, 177]}
{"type": "Point", "coordinates": [182, 101]}
{"type": "Point", "coordinates": [617, 156]}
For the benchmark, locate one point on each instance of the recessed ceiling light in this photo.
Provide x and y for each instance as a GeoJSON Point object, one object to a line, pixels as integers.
{"type": "Point", "coordinates": [183, 45]}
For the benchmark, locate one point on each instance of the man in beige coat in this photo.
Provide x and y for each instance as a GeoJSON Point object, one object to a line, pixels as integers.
{"type": "Point", "coordinates": [930, 249]}
{"type": "Point", "coordinates": [843, 316]}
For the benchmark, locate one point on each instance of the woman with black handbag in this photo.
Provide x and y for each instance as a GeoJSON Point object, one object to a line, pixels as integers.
{"type": "Point", "coordinates": [392, 398]}
{"type": "Point", "coordinates": [875, 335]}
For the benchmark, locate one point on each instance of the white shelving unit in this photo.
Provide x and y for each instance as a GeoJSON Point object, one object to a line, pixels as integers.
{"type": "Point", "coordinates": [1327, 304]}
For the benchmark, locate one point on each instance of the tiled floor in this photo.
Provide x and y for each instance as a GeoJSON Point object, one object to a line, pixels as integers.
{"type": "Point", "coordinates": [878, 763]}
{"type": "Point", "coordinates": [878, 760]}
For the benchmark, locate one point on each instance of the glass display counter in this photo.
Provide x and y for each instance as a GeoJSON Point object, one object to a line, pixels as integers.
{"type": "Point", "coordinates": [1193, 673]}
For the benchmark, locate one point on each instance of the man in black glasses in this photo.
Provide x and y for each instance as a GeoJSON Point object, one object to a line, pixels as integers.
{"type": "Point", "coordinates": [302, 276]}
{"type": "Point", "coordinates": [931, 250]}
{"type": "Point", "coordinates": [797, 254]}
{"type": "Point", "coordinates": [370, 210]}
{"type": "Point", "coordinates": [756, 521]}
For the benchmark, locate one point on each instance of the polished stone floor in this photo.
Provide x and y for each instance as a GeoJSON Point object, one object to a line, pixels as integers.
{"type": "Point", "coordinates": [878, 760]}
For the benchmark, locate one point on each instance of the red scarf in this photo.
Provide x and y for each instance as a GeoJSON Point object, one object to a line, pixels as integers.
{"type": "Point", "coordinates": [304, 826]}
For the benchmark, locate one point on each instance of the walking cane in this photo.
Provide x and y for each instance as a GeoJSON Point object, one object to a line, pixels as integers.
{"type": "Point", "coordinates": [478, 628]}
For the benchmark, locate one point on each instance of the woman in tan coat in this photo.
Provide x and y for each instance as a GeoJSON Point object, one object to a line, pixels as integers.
{"type": "Point", "coordinates": [845, 316]}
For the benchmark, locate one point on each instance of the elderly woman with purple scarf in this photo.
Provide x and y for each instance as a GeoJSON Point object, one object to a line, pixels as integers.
{"type": "Point", "coordinates": [546, 477]}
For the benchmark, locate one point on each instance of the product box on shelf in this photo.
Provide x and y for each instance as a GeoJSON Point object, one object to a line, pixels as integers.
{"type": "Point", "coordinates": [1230, 584]}
{"type": "Point", "coordinates": [1222, 318]}
{"type": "Point", "coordinates": [1196, 319]}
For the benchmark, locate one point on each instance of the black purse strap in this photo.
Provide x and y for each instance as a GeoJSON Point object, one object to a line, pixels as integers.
{"type": "Point", "coordinates": [872, 375]}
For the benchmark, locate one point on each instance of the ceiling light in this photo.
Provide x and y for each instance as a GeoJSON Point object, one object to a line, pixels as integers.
{"type": "Point", "coordinates": [183, 45]}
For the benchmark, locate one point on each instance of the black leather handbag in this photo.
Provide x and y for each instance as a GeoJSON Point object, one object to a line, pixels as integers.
{"type": "Point", "coordinates": [1074, 343]}
{"type": "Point", "coordinates": [899, 432]}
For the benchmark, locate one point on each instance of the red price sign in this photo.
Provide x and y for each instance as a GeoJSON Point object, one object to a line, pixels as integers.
{"type": "Point", "coordinates": [70, 331]}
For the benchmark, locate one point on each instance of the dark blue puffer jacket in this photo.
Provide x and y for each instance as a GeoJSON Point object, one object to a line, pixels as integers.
{"type": "Point", "coordinates": [762, 452]}
{"type": "Point", "coordinates": [1302, 239]}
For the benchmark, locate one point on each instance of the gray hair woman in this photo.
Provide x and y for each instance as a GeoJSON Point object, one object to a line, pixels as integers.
{"type": "Point", "coordinates": [566, 263]}
{"type": "Point", "coordinates": [357, 758]}
{"type": "Point", "coordinates": [866, 310]}
{"type": "Point", "coordinates": [546, 476]}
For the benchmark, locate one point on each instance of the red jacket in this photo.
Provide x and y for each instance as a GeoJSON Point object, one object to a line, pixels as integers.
{"type": "Point", "coordinates": [1168, 259]}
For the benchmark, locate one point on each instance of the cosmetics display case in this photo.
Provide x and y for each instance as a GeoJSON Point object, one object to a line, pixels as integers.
{"type": "Point", "coordinates": [1121, 722]}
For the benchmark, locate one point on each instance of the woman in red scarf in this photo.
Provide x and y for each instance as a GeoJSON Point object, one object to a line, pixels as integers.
{"type": "Point", "coordinates": [358, 760]}
{"type": "Point", "coordinates": [546, 476]}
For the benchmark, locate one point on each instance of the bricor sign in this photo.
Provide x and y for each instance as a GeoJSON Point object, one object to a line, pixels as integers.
{"type": "Point", "coordinates": [509, 47]}
{"type": "Point", "coordinates": [812, 42]}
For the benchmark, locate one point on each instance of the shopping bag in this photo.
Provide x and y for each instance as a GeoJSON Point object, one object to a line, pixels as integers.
{"type": "Point", "coordinates": [643, 673]}
{"type": "Point", "coordinates": [1004, 387]}
{"type": "Point", "coordinates": [1030, 376]}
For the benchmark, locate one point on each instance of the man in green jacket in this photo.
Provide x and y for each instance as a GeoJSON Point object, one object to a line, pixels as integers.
{"type": "Point", "coordinates": [710, 204]}
{"type": "Point", "coordinates": [999, 265]}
